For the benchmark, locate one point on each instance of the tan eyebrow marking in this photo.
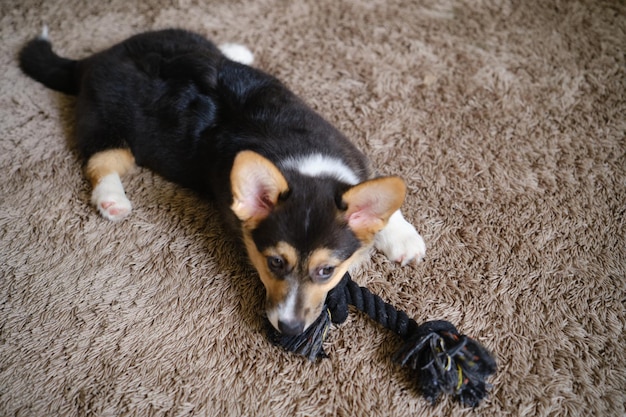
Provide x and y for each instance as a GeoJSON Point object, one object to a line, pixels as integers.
{"type": "Point", "coordinates": [322, 257]}
{"type": "Point", "coordinates": [276, 290]}
{"type": "Point", "coordinates": [284, 250]}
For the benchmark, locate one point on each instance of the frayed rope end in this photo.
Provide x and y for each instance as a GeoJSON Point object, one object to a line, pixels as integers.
{"type": "Point", "coordinates": [447, 362]}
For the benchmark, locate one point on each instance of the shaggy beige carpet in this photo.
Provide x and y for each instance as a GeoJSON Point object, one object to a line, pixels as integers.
{"type": "Point", "coordinates": [506, 118]}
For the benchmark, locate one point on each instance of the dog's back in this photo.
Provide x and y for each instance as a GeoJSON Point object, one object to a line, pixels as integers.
{"type": "Point", "coordinates": [183, 107]}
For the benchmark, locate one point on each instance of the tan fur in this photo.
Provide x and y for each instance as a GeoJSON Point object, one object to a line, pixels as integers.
{"type": "Point", "coordinates": [276, 290]}
{"type": "Point", "coordinates": [101, 164]}
{"type": "Point", "coordinates": [284, 250]}
{"type": "Point", "coordinates": [320, 258]}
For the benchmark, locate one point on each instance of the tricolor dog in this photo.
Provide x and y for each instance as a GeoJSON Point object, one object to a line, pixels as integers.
{"type": "Point", "coordinates": [304, 200]}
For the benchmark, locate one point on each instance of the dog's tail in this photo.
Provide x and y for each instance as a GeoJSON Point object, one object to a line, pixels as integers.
{"type": "Point", "coordinates": [38, 60]}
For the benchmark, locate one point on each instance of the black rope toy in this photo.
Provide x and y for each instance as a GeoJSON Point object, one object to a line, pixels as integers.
{"type": "Point", "coordinates": [444, 360]}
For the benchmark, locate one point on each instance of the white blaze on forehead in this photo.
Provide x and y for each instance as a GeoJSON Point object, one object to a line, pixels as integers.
{"type": "Point", "coordinates": [318, 165]}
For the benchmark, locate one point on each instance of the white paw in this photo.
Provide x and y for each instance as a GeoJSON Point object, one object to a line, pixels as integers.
{"type": "Point", "coordinates": [109, 198]}
{"type": "Point", "coordinates": [400, 242]}
{"type": "Point", "coordinates": [114, 207]}
{"type": "Point", "coordinates": [237, 53]}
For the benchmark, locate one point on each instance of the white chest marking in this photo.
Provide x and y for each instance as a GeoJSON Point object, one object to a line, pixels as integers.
{"type": "Point", "coordinates": [318, 165]}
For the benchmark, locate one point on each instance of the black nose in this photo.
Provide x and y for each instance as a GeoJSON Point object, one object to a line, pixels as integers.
{"type": "Point", "coordinates": [291, 327]}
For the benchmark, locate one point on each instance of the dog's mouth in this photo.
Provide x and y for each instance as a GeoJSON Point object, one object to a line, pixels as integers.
{"type": "Point", "coordinates": [291, 323]}
{"type": "Point", "coordinates": [287, 327]}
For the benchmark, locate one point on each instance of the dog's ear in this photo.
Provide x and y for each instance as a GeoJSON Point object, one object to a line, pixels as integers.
{"type": "Point", "coordinates": [370, 204]}
{"type": "Point", "coordinates": [256, 185]}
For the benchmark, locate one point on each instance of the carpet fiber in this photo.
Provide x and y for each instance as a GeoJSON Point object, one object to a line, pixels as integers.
{"type": "Point", "coordinates": [507, 120]}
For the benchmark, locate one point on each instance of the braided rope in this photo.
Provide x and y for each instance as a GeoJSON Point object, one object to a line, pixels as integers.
{"type": "Point", "coordinates": [349, 292]}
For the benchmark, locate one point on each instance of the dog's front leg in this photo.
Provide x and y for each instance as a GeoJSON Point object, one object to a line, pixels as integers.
{"type": "Point", "coordinates": [400, 242]}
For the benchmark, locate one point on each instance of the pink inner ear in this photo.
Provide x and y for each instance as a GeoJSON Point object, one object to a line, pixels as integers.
{"type": "Point", "coordinates": [264, 202]}
{"type": "Point", "coordinates": [259, 202]}
{"type": "Point", "coordinates": [362, 218]}
{"type": "Point", "coordinates": [355, 218]}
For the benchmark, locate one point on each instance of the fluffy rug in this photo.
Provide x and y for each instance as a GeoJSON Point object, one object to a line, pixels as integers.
{"type": "Point", "coordinates": [507, 120]}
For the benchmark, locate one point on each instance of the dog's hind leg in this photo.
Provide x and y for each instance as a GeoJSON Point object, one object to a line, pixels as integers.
{"type": "Point", "coordinates": [104, 170]}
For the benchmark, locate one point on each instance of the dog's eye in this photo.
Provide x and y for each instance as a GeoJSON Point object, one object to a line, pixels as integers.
{"type": "Point", "coordinates": [276, 263]}
{"type": "Point", "coordinates": [324, 273]}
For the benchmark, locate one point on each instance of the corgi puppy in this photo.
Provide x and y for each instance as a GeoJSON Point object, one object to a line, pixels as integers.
{"type": "Point", "coordinates": [303, 199]}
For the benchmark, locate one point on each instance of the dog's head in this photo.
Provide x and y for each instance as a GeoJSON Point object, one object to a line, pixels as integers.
{"type": "Point", "coordinates": [303, 235]}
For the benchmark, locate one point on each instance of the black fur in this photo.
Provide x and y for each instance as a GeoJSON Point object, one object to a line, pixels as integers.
{"type": "Point", "coordinates": [185, 111]}
{"type": "Point", "coordinates": [39, 61]}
